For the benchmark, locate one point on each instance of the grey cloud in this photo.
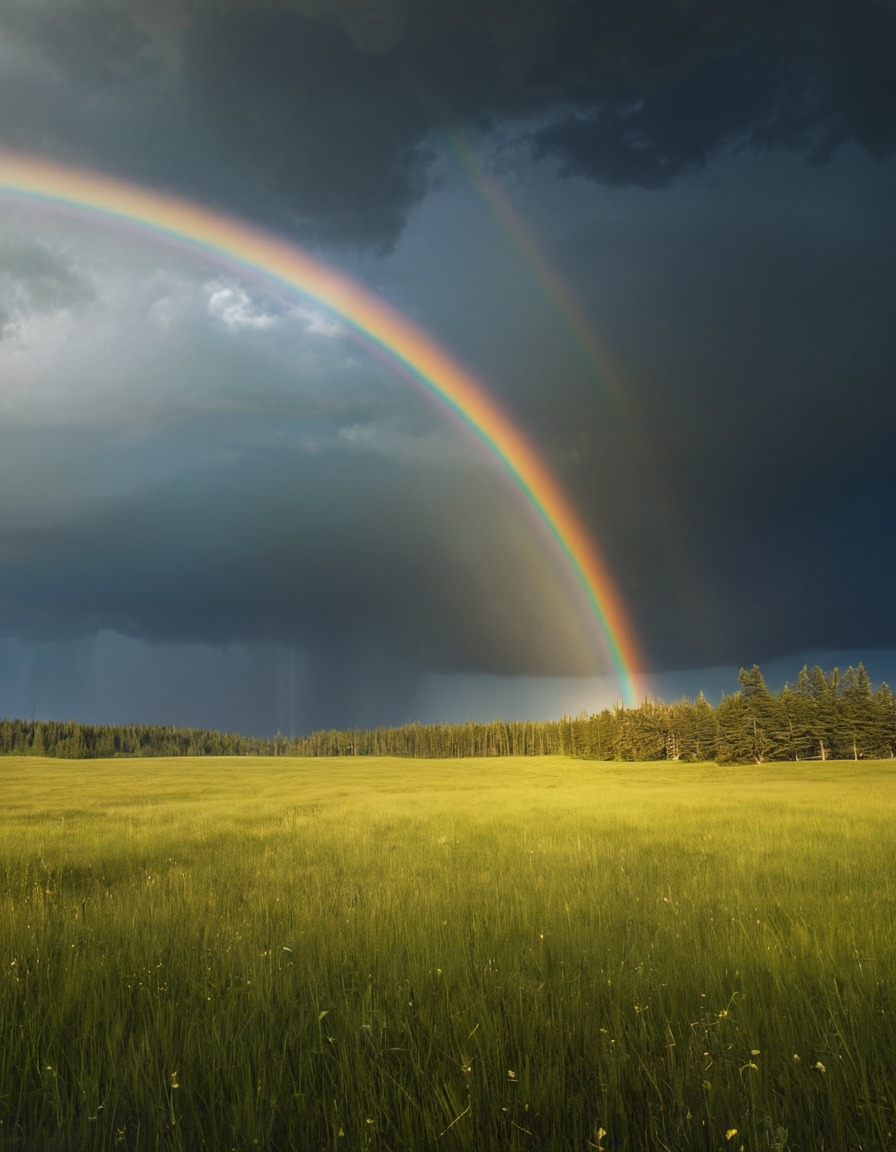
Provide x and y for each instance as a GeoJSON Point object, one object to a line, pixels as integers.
{"type": "Point", "coordinates": [374, 26]}
{"type": "Point", "coordinates": [329, 131]}
{"type": "Point", "coordinates": [34, 278]}
{"type": "Point", "coordinates": [307, 552]}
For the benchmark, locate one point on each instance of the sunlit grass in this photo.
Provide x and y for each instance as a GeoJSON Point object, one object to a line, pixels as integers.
{"type": "Point", "coordinates": [393, 954]}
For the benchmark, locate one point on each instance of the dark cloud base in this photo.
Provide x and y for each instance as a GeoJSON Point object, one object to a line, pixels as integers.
{"type": "Point", "coordinates": [333, 555]}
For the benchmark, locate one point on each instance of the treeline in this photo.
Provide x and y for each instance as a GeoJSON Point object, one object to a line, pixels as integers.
{"type": "Point", "coordinates": [72, 740]}
{"type": "Point", "coordinates": [822, 716]}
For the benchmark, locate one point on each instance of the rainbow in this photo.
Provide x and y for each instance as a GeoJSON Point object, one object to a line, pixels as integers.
{"type": "Point", "coordinates": [594, 355]}
{"type": "Point", "coordinates": [224, 238]}
{"type": "Point", "coordinates": [530, 249]}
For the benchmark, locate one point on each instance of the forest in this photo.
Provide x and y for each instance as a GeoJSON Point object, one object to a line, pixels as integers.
{"type": "Point", "coordinates": [821, 716]}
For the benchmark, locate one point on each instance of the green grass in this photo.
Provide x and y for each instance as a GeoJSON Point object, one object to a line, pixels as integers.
{"type": "Point", "coordinates": [462, 955]}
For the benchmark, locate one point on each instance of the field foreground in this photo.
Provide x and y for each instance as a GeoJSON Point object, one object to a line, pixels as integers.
{"type": "Point", "coordinates": [391, 954]}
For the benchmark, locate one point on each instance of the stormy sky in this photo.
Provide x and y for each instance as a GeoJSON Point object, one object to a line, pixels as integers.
{"type": "Point", "coordinates": [661, 233]}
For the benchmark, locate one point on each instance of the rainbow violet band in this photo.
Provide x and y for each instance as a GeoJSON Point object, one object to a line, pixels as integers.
{"type": "Point", "coordinates": [224, 238]}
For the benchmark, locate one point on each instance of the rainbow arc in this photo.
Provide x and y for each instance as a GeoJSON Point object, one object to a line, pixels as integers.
{"type": "Point", "coordinates": [223, 238]}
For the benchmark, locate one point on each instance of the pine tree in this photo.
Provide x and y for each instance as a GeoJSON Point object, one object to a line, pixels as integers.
{"type": "Point", "coordinates": [884, 710]}
{"type": "Point", "coordinates": [823, 691]}
{"type": "Point", "coordinates": [706, 730]}
{"type": "Point", "coordinates": [763, 729]}
{"type": "Point", "coordinates": [855, 715]}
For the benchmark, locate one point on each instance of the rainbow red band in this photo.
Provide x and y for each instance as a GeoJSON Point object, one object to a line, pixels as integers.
{"type": "Point", "coordinates": [221, 237]}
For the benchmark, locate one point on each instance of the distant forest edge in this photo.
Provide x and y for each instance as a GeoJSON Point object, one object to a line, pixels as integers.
{"type": "Point", "coordinates": [822, 716]}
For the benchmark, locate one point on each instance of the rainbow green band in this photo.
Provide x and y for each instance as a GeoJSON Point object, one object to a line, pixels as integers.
{"type": "Point", "coordinates": [223, 237]}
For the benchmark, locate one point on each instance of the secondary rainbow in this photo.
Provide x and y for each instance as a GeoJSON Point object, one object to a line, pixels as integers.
{"type": "Point", "coordinates": [222, 237]}
{"type": "Point", "coordinates": [532, 253]}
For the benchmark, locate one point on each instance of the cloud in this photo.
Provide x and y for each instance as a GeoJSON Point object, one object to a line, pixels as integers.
{"type": "Point", "coordinates": [230, 303]}
{"type": "Point", "coordinates": [317, 323]}
{"type": "Point", "coordinates": [234, 307]}
{"type": "Point", "coordinates": [320, 115]}
{"type": "Point", "coordinates": [310, 552]}
{"type": "Point", "coordinates": [36, 280]}
{"type": "Point", "coordinates": [705, 79]}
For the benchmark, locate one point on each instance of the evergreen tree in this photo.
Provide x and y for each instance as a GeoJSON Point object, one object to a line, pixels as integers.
{"type": "Point", "coordinates": [706, 730]}
{"type": "Point", "coordinates": [884, 711]}
{"type": "Point", "coordinates": [854, 734]}
{"type": "Point", "coordinates": [763, 732]}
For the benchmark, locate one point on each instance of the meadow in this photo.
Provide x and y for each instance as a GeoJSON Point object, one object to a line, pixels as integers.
{"type": "Point", "coordinates": [537, 953]}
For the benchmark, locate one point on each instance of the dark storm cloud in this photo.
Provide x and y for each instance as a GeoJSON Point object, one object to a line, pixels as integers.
{"type": "Point", "coordinates": [702, 78]}
{"type": "Point", "coordinates": [330, 131]}
{"type": "Point", "coordinates": [312, 553]}
{"type": "Point", "coordinates": [319, 115]}
{"type": "Point", "coordinates": [624, 94]}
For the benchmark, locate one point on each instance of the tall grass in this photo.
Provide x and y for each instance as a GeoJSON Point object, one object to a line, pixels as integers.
{"type": "Point", "coordinates": [465, 955]}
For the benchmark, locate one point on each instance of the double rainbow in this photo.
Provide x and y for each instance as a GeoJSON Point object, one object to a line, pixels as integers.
{"type": "Point", "coordinates": [221, 237]}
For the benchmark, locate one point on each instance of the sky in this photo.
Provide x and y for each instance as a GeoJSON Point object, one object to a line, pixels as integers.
{"type": "Point", "coordinates": [659, 236]}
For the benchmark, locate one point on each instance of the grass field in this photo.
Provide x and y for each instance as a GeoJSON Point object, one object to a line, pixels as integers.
{"type": "Point", "coordinates": [467, 955]}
